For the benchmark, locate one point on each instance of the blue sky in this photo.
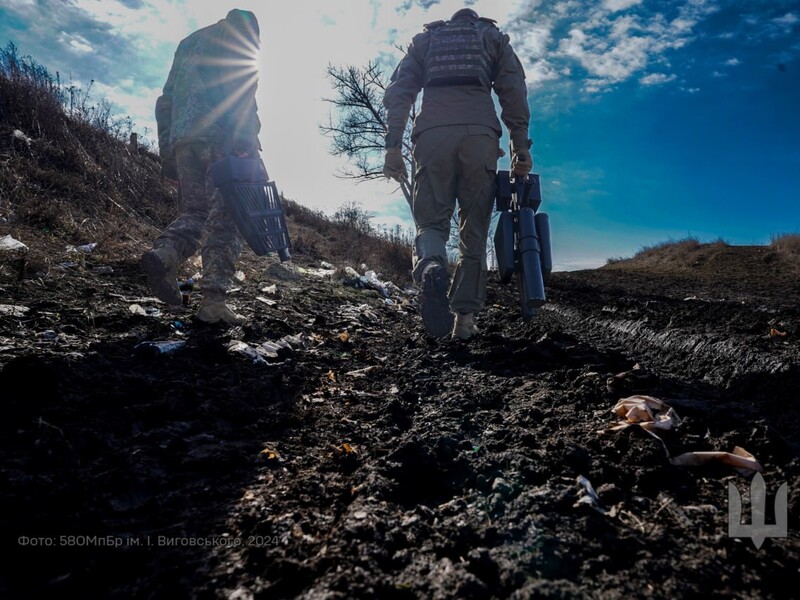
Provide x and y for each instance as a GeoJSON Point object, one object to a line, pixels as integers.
{"type": "Point", "coordinates": [650, 120]}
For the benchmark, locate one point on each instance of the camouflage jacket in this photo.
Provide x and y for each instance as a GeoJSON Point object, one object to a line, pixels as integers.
{"type": "Point", "coordinates": [209, 95]}
{"type": "Point", "coordinates": [459, 104]}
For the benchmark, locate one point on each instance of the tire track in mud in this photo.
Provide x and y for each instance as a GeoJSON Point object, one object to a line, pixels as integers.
{"type": "Point", "coordinates": [710, 357]}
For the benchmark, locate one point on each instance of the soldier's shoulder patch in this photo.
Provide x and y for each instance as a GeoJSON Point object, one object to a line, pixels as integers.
{"type": "Point", "coordinates": [433, 25]}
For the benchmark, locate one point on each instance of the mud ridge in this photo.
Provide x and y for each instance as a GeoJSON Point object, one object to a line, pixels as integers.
{"type": "Point", "coordinates": [712, 357]}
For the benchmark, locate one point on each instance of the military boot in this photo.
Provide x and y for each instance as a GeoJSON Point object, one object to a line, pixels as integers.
{"type": "Point", "coordinates": [465, 327]}
{"type": "Point", "coordinates": [213, 310]}
{"type": "Point", "coordinates": [161, 267]}
{"type": "Point", "coordinates": [434, 305]}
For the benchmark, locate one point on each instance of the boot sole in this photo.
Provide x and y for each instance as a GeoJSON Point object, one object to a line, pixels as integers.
{"type": "Point", "coordinates": [159, 279]}
{"type": "Point", "coordinates": [434, 306]}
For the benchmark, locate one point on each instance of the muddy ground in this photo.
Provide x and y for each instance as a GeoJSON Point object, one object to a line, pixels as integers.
{"type": "Point", "coordinates": [358, 458]}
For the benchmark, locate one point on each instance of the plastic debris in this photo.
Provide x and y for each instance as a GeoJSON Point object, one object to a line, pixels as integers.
{"type": "Point", "coordinates": [266, 301]}
{"type": "Point", "coordinates": [9, 243]}
{"type": "Point", "coordinates": [157, 348]}
{"type": "Point", "coordinates": [238, 347]}
{"type": "Point", "coordinates": [137, 309]}
{"type": "Point", "coordinates": [21, 136]}
{"type": "Point", "coordinates": [84, 249]}
{"type": "Point", "coordinates": [13, 310]}
{"type": "Point", "coordinates": [270, 289]}
{"type": "Point", "coordinates": [588, 495]}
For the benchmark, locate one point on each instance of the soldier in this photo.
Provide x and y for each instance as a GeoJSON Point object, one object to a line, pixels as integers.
{"type": "Point", "coordinates": [455, 141]}
{"type": "Point", "coordinates": [207, 110]}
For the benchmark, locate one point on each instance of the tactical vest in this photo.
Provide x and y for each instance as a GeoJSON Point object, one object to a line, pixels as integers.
{"type": "Point", "coordinates": [457, 56]}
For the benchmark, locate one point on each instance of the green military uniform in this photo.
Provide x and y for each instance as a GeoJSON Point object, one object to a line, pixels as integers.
{"type": "Point", "coordinates": [207, 109]}
{"type": "Point", "coordinates": [455, 136]}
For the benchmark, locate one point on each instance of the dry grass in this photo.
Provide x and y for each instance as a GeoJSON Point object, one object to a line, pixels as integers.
{"type": "Point", "coordinates": [682, 253]}
{"type": "Point", "coordinates": [69, 177]}
{"type": "Point", "coordinates": [787, 244]}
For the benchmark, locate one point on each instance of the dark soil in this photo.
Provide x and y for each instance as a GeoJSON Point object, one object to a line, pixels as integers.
{"type": "Point", "coordinates": [362, 459]}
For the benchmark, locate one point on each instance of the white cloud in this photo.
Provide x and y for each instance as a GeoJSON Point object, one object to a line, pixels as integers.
{"type": "Point", "coordinates": [617, 5]}
{"type": "Point", "coordinates": [732, 62]}
{"type": "Point", "coordinates": [613, 49]}
{"type": "Point", "coordinates": [77, 43]}
{"type": "Point", "coordinates": [788, 19]}
{"type": "Point", "coordinates": [656, 79]}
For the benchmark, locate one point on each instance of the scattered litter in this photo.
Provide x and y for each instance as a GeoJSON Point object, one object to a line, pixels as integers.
{"type": "Point", "coordinates": [344, 337]}
{"type": "Point", "coordinates": [238, 347]}
{"type": "Point", "coordinates": [369, 280]}
{"type": "Point", "coordinates": [21, 136]}
{"type": "Point", "coordinates": [326, 265]}
{"type": "Point", "coordinates": [270, 289]}
{"type": "Point", "coordinates": [156, 348]}
{"type": "Point", "coordinates": [270, 454]}
{"type": "Point", "coordinates": [321, 272]}
{"type": "Point", "coordinates": [588, 495]}
{"type": "Point", "coordinates": [13, 310]}
{"type": "Point", "coordinates": [358, 373]}
{"type": "Point", "coordinates": [740, 459]}
{"type": "Point", "coordinates": [145, 311]}
{"type": "Point", "coordinates": [239, 276]}
{"type": "Point", "coordinates": [357, 314]}
{"type": "Point", "coordinates": [646, 411]}
{"type": "Point", "coordinates": [84, 249]}
{"type": "Point", "coordinates": [283, 271]}
{"type": "Point", "coordinates": [653, 416]}
{"type": "Point", "coordinates": [104, 270]}
{"type": "Point", "coordinates": [67, 265]}
{"type": "Point", "coordinates": [9, 243]}
{"type": "Point", "coordinates": [775, 333]}
{"type": "Point", "coordinates": [266, 301]}
{"type": "Point", "coordinates": [286, 345]}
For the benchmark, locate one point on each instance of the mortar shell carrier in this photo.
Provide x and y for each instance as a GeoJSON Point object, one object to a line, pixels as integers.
{"type": "Point", "coordinates": [254, 204]}
{"type": "Point", "coordinates": [522, 239]}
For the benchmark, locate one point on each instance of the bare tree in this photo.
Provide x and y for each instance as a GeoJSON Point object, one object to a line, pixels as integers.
{"type": "Point", "coordinates": [357, 125]}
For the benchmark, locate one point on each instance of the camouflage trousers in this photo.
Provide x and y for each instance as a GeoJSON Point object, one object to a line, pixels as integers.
{"type": "Point", "coordinates": [455, 164]}
{"type": "Point", "coordinates": [203, 222]}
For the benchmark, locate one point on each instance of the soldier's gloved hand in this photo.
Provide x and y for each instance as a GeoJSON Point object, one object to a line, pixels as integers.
{"type": "Point", "coordinates": [394, 166]}
{"type": "Point", "coordinates": [521, 161]}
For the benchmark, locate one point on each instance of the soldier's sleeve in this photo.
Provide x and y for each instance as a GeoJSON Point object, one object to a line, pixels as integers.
{"type": "Point", "coordinates": [401, 93]}
{"type": "Point", "coordinates": [512, 92]}
{"type": "Point", "coordinates": [164, 112]}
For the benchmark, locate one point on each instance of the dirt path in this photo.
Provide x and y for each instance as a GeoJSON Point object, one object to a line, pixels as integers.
{"type": "Point", "coordinates": [360, 459]}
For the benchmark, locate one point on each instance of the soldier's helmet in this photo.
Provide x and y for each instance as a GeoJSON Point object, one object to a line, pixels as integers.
{"type": "Point", "coordinates": [465, 12]}
{"type": "Point", "coordinates": [245, 23]}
